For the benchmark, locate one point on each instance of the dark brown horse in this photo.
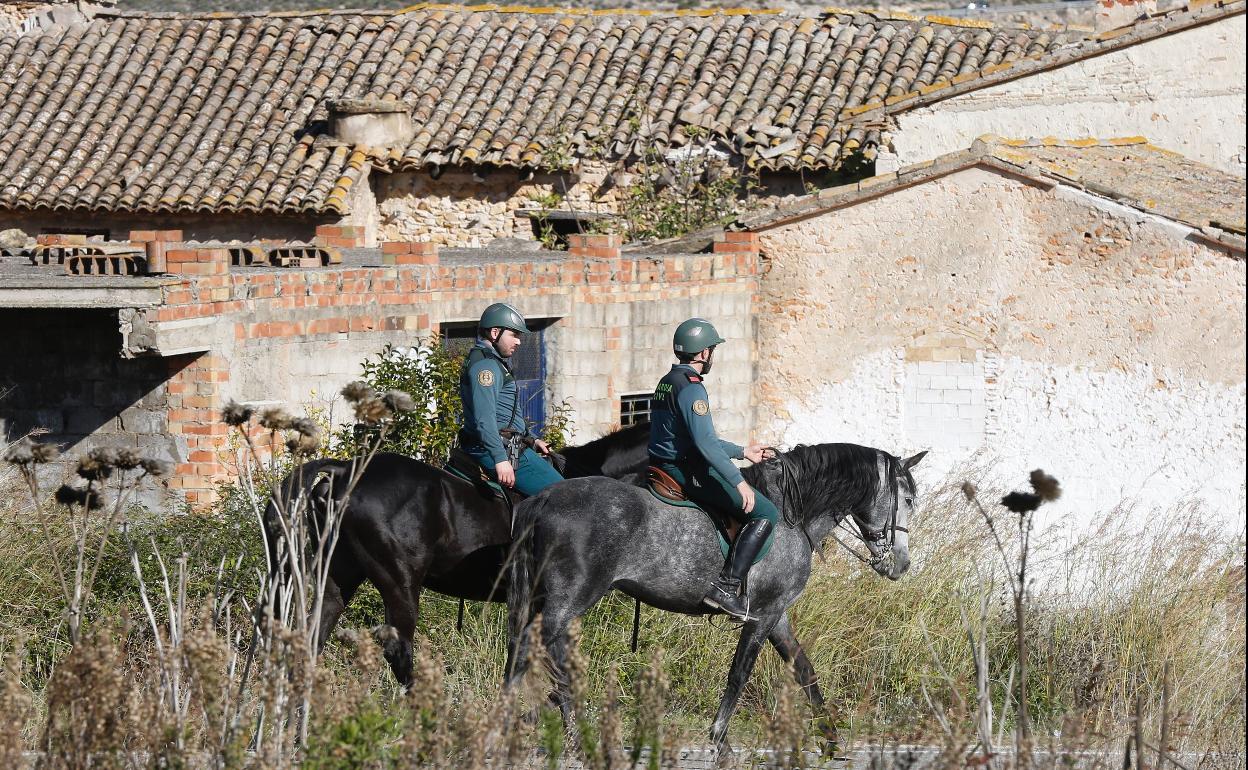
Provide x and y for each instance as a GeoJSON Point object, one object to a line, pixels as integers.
{"type": "Point", "coordinates": [409, 526]}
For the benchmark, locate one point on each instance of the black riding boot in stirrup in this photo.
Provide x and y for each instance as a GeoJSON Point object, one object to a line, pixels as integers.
{"type": "Point", "coordinates": [725, 593]}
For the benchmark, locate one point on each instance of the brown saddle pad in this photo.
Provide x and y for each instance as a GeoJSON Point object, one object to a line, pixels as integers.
{"type": "Point", "coordinates": [667, 488]}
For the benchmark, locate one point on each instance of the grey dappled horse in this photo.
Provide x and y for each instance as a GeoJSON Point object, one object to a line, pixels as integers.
{"type": "Point", "coordinates": [580, 538]}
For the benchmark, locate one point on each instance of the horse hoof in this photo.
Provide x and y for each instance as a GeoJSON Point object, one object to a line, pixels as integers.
{"type": "Point", "coordinates": [832, 751]}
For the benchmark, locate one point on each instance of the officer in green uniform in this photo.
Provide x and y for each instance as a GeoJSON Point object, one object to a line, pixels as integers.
{"type": "Point", "coordinates": [493, 430]}
{"type": "Point", "coordinates": [683, 443]}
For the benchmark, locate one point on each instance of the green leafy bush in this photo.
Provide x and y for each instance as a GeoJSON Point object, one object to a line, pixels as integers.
{"type": "Point", "coordinates": [430, 374]}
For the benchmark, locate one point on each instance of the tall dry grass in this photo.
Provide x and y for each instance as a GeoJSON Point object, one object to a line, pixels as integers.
{"type": "Point", "coordinates": [1121, 612]}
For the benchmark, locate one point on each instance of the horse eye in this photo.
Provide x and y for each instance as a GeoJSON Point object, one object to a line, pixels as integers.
{"type": "Point", "coordinates": [909, 501]}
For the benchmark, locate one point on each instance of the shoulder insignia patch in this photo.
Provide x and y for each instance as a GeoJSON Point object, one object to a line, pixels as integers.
{"type": "Point", "coordinates": [701, 407]}
{"type": "Point", "coordinates": [486, 377]}
{"type": "Point", "coordinates": [693, 378]}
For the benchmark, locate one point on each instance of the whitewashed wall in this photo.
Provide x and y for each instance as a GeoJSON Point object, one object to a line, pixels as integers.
{"type": "Point", "coordinates": [1185, 92]}
{"type": "Point", "coordinates": [984, 318]}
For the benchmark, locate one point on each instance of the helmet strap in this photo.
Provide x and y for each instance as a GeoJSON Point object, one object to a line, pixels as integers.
{"type": "Point", "coordinates": [493, 339]}
{"type": "Point", "coordinates": [703, 364]}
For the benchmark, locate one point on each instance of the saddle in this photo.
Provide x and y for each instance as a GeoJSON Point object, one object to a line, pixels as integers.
{"type": "Point", "coordinates": [460, 463]}
{"type": "Point", "coordinates": [667, 489]}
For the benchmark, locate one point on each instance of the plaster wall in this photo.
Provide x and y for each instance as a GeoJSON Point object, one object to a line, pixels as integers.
{"type": "Point", "coordinates": [1185, 92]}
{"type": "Point", "coordinates": [982, 317]}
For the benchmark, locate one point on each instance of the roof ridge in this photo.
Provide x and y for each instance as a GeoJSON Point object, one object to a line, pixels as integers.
{"type": "Point", "coordinates": [1007, 155]}
{"type": "Point", "coordinates": [884, 14]}
{"type": "Point", "coordinates": [1053, 141]}
{"type": "Point", "coordinates": [535, 10]}
{"type": "Point", "coordinates": [1193, 14]}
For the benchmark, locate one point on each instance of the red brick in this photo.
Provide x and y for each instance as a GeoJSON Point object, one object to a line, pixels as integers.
{"type": "Point", "coordinates": [181, 255]}
{"type": "Point", "coordinates": [737, 236]}
{"type": "Point", "coordinates": [142, 236]}
{"type": "Point", "coordinates": [396, 247]}
{"type": "Point", "coordinates": [168, 236]}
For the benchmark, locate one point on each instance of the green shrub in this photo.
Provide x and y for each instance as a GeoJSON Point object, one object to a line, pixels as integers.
{"type": "Point", "coordinates": [428, 373]}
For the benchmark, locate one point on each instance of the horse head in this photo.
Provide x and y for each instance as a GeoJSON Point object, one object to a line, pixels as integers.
{"type": "Point", "coordinates": [884, 524]}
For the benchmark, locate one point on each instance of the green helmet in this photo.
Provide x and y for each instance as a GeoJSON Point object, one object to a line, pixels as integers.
{"type": "Point", "coordinates": [504, 316]}
{"type": "Point", "coordinates": [694, 336]}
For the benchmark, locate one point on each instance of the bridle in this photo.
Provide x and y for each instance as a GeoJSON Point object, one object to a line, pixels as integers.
{"type": "Point", "coordinates": [883, 539]}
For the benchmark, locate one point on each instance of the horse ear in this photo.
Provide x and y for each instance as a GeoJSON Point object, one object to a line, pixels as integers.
{"type": "Point", "coordinates": [910, 462]}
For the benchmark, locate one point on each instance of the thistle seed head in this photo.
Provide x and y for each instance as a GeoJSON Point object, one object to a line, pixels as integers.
{"type": "Point", "coordinates": [1021, 502]}
{"type": "Point", "coordinates": [306, 427]}
{"type": "Point", "coordinates": [128, 459]}
{"type": "Point", "coordinates": [1047, 487]}
{"type": "Point", "coordinates": [357, 391]}
{"type": "Point", "coordinates": [371, 411]}
{"type": "Point", "coordinates": [236, 414]}
{"type": "Point", "coordinates": [275, 418]}
{"type": "Point", "coordinates": [20, 453]}
{"type": "Point", "coordinates": [398, 401]}
{"type": "Point", "coordinates": [67, 495]}
{"type": "Point", "coordinates": [302, 445]}
{"type": "Point", "coordinates": [156, 467]}
{"type": "Point", "coordinates": [970, 490]}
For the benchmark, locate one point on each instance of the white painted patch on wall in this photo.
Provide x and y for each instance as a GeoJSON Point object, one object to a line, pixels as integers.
{"type": "Point", "coordinates": [1151, 439]}
{"type": "Point", "coordinates": [863, 409]}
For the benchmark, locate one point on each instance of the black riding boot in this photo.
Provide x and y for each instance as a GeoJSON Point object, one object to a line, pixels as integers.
{"type": "Point", "coordinates": [725, 593]}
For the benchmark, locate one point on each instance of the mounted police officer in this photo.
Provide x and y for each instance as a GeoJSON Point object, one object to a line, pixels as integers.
{"type": "Point", "coordinates": [683, 444]}
{"type": "Point", "coordinates": [493, 431]}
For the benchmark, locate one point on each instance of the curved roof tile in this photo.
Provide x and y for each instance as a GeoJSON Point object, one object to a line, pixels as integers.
{"type": "Point", "coordinates": [168, 113]}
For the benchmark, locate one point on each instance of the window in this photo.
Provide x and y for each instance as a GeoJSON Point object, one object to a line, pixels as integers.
{"type": "Point", "coordinates": [634, 409]}
{"type": "Point", "coordinates": [528, 365]}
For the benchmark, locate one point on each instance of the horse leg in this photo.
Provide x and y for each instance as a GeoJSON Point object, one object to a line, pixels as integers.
{"type": "Point", "coordinates": [402, 609]}
{"type": "Point", "coordinates": [791, 651]}
{"type": "Point", "coordinates": [555, 639]}
{"type": "Point", "coordinates": [748, 646]}
{"type": "Point", "coordinates": [340, 587]}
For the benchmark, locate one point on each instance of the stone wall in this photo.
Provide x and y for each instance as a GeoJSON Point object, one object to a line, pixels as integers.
{"type": "Point", "coordinates": [469, 209]}
{"type": "Point", "coordinates": [462, 208]}
{"type": "Point", "coordinates": [979, 316]}
{"type": "Point", "coordinates": [1185, 92]}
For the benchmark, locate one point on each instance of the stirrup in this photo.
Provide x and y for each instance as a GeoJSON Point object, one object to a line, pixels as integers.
{"type": "Point", "coordinates": [728, 603]}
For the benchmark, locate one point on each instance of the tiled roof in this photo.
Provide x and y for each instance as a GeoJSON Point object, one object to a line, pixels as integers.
{"type": "Point", "coordinates": [172, 113]}
{"type": "Point", "coordinates": [1196, 13]}
{"type": "Point", "coordinates": [1129, 171]}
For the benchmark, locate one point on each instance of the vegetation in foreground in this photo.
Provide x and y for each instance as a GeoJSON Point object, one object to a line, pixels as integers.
{"type": "Point", "coordinates": [170, 653]}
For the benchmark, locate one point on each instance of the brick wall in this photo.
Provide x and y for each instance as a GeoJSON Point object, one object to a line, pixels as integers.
{"type": "Point", "coordinates": [295, 336]}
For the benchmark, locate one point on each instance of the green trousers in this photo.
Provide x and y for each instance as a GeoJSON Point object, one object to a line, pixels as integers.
{"type": "Point", "coordinates": [705, 486]}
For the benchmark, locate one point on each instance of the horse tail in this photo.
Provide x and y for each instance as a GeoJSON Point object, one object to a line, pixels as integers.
{"type": "Point", "coordinates": [523, 602]}
{"type": "Point", "coordinates": [303, 493]}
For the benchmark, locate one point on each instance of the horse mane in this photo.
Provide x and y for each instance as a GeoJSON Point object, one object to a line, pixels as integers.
{"type": "Point", "coordinates": [594, 454]}
{"type": "Point", "coordinates": [837, 478]}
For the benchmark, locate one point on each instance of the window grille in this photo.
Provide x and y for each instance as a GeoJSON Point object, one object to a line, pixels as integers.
{"type": "Point", "coordinates": [634, 409]}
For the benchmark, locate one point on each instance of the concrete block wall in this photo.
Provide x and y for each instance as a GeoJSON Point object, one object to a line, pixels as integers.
{"type": "Point", "coordinates": [63, 376]}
